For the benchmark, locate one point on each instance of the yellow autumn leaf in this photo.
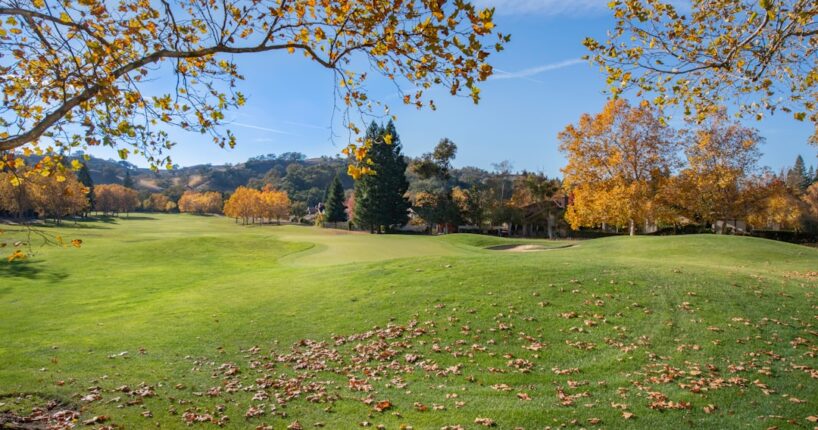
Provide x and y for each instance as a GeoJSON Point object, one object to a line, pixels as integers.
{"type": "Point", "coordinates": [16, 255]}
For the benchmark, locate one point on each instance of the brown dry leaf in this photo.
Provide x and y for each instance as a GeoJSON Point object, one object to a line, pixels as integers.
{"type": "Point", "coordinates": [627, 415]}
{"type": "Point", "coordinates": [523, 396]}
{"type": "Point", "coordinates": [95, 420]}
{"type": "Point", "coordinates": [486, 422]}
{"type": "Point", "coordinates": [382, 405]}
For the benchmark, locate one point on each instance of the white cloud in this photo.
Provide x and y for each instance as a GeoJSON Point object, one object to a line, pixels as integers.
{"type": "Point", "coordinates": [307, 125]}
{"type": "Point", "coordinates": [256, 127]}
{"type": "Point", "coordinates": [533, 71]}
{"type": "Point", "coordinates": [545, 7]}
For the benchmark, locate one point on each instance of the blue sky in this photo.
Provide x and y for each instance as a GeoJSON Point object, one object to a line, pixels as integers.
{"type": "Point", "coordinates": [540, 87]}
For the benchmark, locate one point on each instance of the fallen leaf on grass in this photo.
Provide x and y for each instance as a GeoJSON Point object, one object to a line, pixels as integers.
{"type": "Point", "coordinates": [486, 422]}
{"type": "Point", "coordinates": [95, 420]}
{"type": "Point", "coordinates": [382, 405]}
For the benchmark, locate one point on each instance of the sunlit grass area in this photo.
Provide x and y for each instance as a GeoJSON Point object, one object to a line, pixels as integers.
{"type": "Point", "coordinates": [170, 320]}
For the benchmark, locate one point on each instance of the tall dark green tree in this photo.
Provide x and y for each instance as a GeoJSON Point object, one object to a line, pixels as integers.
{"type": "Point", "coordinates": [334, 209]}
{"type": "Point", "coordinates": [84, 176]}
{"type": "Point", "coordinates": [380, 201]}
{"type": "Point", "coordinates": [127, 182]}
{"type": "Point", "coordinates": [797, 178]}
{"type": "Point", "coordinates": [437, 163]}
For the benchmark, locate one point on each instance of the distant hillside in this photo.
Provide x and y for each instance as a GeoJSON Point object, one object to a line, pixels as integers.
{"type": "Point", "coordinates": [305, 179]}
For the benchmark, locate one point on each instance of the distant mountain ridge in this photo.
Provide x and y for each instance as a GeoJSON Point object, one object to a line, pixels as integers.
{"type": "Point", "coordinates": [304, 178]}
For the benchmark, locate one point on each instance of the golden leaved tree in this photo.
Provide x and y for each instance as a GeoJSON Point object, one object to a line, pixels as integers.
{"type": "Point", "coordinates": [51, 196]}
{"type": "Point", "coordinates": [209, 202]}
{"type": "Point", "coordinates": [777, 207]}
{"type": "Point", "coordinates": [718, 182]}
{"type": "Point", "coordinates": [758, 53]}
{"type": "Point", "coordinates": [75, 72]}
{"type": "Point", "coordinates": [810, 199]}
{"type": "Point", "coordinates": [251, 205]}
{"type": "Point", "coordinates": [618, 161]}
{"type": "Point", "coordinates": [159, 203]}
{"type": "Point", "coordinates": [114, 198]}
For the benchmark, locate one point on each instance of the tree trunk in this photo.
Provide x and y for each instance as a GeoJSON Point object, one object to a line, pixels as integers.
{"type": "Point", "coordinates": [632, 229]}
{"type": "Point", "coordinates": [551, 221]}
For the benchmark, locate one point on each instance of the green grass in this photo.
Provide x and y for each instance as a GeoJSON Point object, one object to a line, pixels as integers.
{"type": "Point", "coordinates": [196, 292]}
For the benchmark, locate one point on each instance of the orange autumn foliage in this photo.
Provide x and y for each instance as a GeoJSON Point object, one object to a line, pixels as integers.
{"type": "Point", "coordinates": [251, 205]}
{"type": "Point", "coordinates": [53, 196]}
{"type": "Point", "coordinates": [618, 160]}
{"type": "Point", "coordinates": [114, 198]}
{"type": "Point", "coordinates": [209, 202]}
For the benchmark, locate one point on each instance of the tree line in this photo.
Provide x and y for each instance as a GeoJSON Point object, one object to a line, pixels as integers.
{"type": "Point", "coordinates": [627, 171]}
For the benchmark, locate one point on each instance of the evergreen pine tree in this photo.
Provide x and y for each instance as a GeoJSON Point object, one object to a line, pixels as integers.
{"type": "Point", "coordinates": [334, 208]}
{"type": "Point", "coordinates": [396, 205]}
{"type": "Point", "coordinates": [799, 171]}
{"type": "Point", "coordinates": [365, 201]}
{"type": "Point", "coordinates": [379, 198]}
{"type": "Point", "coordinates": [127, 182]}
{"type": "Point", "coordinates": [84, 176]}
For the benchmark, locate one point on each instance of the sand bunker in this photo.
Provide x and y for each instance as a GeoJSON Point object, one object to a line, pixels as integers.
{"type": "Point", "coordinates": [526, 248]}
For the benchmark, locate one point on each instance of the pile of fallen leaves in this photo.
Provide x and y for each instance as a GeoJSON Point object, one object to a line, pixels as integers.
{"type": "Point", "coordinates": [52, 416]}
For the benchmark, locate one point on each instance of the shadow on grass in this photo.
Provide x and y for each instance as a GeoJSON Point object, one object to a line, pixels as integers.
{"type": "Point", "coordinates": [116, 219]}
{"type": "Point", "coordinates": [28, 269]}
{"type": "Point", "coordinates": [138, 218]}
{"type": "Point", "coordinates": [109, 219]}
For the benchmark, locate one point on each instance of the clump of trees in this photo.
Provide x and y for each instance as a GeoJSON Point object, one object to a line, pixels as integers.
{"type": "Point", "coordinates": [209, 202]}
{"type": "Point", "coordinates": [256, 206]}
{"type": "Point", "coordinates": [617, 162]}
{"type": "Point", "coordinates": [159, 202]}
{"type": "Point", "coordinates": [114, 198]}
{"type": "Point", "coordinates": [435, 204]}
{"type": "Point", "coordinates": [625, 171]}
{"type": "Point", "coordinates": [53, 196]}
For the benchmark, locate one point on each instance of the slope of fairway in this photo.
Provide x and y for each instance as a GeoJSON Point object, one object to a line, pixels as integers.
{"type": "Point", "coordinates": [166, 320]}
{"type": "Point", "coordinates": [328, 247]}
